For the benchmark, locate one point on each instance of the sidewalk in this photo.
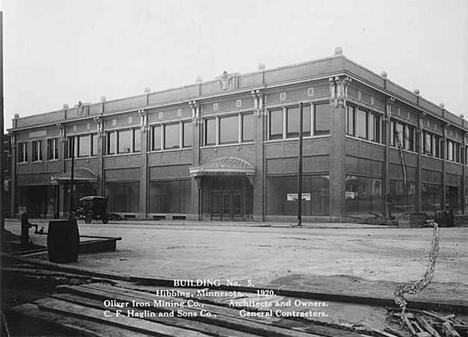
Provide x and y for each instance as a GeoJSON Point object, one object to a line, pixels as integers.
{"type": "Point", "coordinates": [329, 225]}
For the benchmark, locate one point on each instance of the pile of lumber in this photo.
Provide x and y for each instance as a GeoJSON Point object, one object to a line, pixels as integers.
{"type": "Point", "coordinates": [423, 323]}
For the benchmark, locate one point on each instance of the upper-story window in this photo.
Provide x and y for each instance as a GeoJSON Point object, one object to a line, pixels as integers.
{"type": "Point", "coordinates": [321, 119]}
{"type": "Point", "coordinates": [52, 149]}
{"type": "Point", "coordinates": [187, 139]}
{"type": "Point", "coordinates": [172, 136]}
{"type": "Point", "coordinates": [293, 121]}
{"type": "Point", "coordinates": [276, 124]}
{"type": "Point", "coordinates": [36, 150]}
{"type": "Point", "coordinates": [210, 131]}
{"type": "Point", "coordinates": [402, 135]}
{"type": "Point", "coordinates": [111, 142]}
{"type": "Point", "coordinates": [431, 144]}
{"type": "Point", "coordinates": [136, 133]}
{"type": "Point", "coordinates": [453, 151]}
{"type": "Point", "coordinates": [284, 123]}
{"type": "Point", "coordinates": [247, 127]}
{"type": "Point", "coordinates": [23, 152]}
{"type": "Point", "coordinates": [350, 121]}
{"type": "Point", "coordinates": [229, 129]}
{"type": "Point", "coordinates": [123, 141]}
{"type": "Point", "coordinates": [94, 144]}
{"type": "Point", "coordinates": [7, 161]}
{"type": "Point", "coordinates": [156, 137]}
{"type": "Point", "coordinates": [84, 145]}
{"type": "Point", "coordinates": [364, 124]}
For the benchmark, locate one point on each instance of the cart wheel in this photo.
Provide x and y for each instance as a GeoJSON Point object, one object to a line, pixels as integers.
{"type": "Point", "coordinates": [105, 219]}
{"type": "Point", "coordinates": [88, 218]}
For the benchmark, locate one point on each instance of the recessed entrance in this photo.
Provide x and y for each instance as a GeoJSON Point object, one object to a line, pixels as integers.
{"type": "Point", "coordinates": [229, 199]}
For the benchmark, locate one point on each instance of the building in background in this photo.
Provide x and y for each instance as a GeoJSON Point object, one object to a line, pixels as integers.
{"type": "Point", "coordinates": [7, 196]}
{"type": "Point", "coordinates": [227, 149]}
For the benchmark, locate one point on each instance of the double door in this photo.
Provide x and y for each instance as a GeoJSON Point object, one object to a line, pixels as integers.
{"type": "Point", "coordinates": [227, 200]}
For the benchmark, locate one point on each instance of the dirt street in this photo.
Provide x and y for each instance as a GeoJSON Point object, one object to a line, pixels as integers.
{"type": "Point", "coordinates": [366, 260]}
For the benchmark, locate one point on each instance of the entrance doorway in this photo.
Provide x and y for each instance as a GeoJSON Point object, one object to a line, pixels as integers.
{"type": "Point", "coordinates": [230, 199]}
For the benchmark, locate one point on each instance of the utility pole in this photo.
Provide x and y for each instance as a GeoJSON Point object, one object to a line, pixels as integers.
{"type": "Point", "coordinates": [2, 164]}
{"type": "Point", "coordinates": [299, 176]}
{"type": "Point", "coordinates": [72, 173]}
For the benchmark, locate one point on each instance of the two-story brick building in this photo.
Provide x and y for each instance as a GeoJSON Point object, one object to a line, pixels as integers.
{"type": "Point", "coordinates": [227, 149]}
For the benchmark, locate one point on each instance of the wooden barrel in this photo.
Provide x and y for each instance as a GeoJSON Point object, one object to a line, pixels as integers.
{"type": "Point", "coordinates": [63, 241]}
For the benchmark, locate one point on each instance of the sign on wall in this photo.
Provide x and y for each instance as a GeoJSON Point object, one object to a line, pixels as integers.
{"type": "Point", "coordinates": [293, 196]}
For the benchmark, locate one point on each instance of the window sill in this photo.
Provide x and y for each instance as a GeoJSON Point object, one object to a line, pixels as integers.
{"type": "Point", "coordinates": [364, 140]}
{"type": "Point", "coordinates": [122, 154]}
{"type": "Point", "coordinates": [52, 160]}
{"type": "Point", "coordinates": [171, 150]}
{"type": "Point", "coordinates": [295, 139]}
{"type": "Point", "coordinates": [225, 145]}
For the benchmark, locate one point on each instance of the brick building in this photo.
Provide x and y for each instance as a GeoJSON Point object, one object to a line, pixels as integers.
{"type": "Point", "coordinates": [227, 149]}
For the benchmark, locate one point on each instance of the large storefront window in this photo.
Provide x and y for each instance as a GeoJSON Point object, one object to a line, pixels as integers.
{"type": "Point", "coordinates": [363, 195]}
{"type": "Point", "coordinates": [278, 189]}
{"type": "Point", "coordinates": [402, 198]}
{"type": "Point", "coordinates": [123, 197]}
{"type": "Point", "coordinates": [431, 197]}
{"type": "Point", "coordinates": [170, 196]}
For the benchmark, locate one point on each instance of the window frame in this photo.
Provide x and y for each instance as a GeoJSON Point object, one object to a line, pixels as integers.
{"type": "Point", "coordinates": [52, 151]}
{"type": "Point", "coordinates": [36, 149]}
{"type": "Point", "coordinates": [24, 151]}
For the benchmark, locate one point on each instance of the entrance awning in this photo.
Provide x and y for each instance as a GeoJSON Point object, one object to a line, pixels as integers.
{"type": "Point", "coordinates": [227, 166]}
{"type": "Point", "coordinates": [81, 174]}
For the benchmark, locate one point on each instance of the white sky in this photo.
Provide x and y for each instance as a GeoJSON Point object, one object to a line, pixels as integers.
{"type": "Point", "coordinates": [65, 51]}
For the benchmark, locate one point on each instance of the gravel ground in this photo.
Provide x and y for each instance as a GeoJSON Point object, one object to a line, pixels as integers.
{"type": "Point", "coordinates": [342, 258]}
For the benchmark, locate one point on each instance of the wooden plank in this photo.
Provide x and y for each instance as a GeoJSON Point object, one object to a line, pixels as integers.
{"type": "Point", "coordinates": [132, 324]}
{"type": "Point", "coordinates": [79, 326]}
{"type": "Point", "coordinates": [226, 317]}
{"type": "Point", "coordinates": [449, 330]}
{"type": "Point", "coordinates": [393, 331]}
{"type": "Point", "coordinates": [425, 324]}
{"type": "Point", "coordinates": [174, 321]}
{"type": "Point", "coordinates": [408, 324]}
